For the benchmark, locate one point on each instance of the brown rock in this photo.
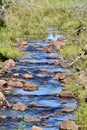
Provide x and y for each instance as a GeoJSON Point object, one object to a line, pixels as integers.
{"type": "Point", "coordinates": [56, 77]}
{"type": "Point", "coordinates": [3, 82]}
{"type": "Point", "coordinates": [8, 105]}
{"type": "Point", "coordinates": [66, 94]}
{"type": "Point", "coordinates": [19, 106]}
{"type": "Point", "coordinates": [32, 104]}
{"type": "Point", "coordinates": [30, 120]}
{"type": "Point", "coordinates": [62, 42]}
{"type": "Point", "coordinates": [56, 62]}
{"type": "Point", "coordinates": [56, 46]}
{"type": "Point", "coordinates": [64, 65]}
{"type": "Point", "coordinates": [55, 94]}
{"type": "Point", "coordinates": [46, 70]}
{"type": "Point", "coordinates": [15, 83]}
{"type": "Point", "coordinates": [3, 116]}
{"type": "Point", "coordinates": [47, 49]}
{"type": "Point", "coordinates": [68, 110]}
{"type": "Point", "coordinates": [66, 80]}
{"type": "Point", "coordinates": [46, 126]}
{"type": "Point", "coordinates": [29, 84]}
{"type": "Point", "coordinates": [8, 64]}
{"type": "Point", "coordinates": [2, 97]}
{"type": "Point", "coordinates": [36, 128]}
{"type": "Point", "coordinates": [63, 102]}
{"type": "Point", "coordinates": [44, 117]}
{"type": "Point", "coordinates": [58, 113]}
{"type": "Point", "coordinates": [61, 76]}
{"type": "Point", "coordinates": [68, 125]}
{"type": "Point", "coordinates": [52, 57]}
{"type": "Point", "coordinates": [16, 75]}
{"type": "Point", "coordinates": [30, 87]}
{"type": "Point", "coordinates": [23, 61]}
{"type": "Point", "coordinates": [27, 76]}
{"type": "Point", "coordinates": [7, 89]}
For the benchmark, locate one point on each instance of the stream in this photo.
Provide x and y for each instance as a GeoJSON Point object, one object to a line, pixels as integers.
{"type": "Point", "coordinates": [48, 104]}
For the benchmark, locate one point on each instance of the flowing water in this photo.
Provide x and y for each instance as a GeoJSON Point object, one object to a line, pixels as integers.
{"type": "Point", "coordinates": [48, 104]}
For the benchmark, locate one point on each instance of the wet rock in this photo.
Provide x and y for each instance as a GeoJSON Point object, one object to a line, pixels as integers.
{"type": "Point", "coordinates": [46, 126]}
{"type": "Point", "coordinates": [68, 110]}
{"type": "Point", "coordinates": [2, 97]}
{"type": "Point", "coordinates": [61, 41]}
{"type": "Point", "coordinates": [29, 84]}
{"type": "Point", "coordinates": [66, 94]}
{"type": "Point", "coordinates": [8, 105]}
{"type": "Point", "coordinates": [36, 128]}
{"type": "Point", "coordinates": [58, 113]}
{"type": "Point", "coordinates": [61, 76]}
{"type": "Point", "coordinates": [47, 49]}
{"type": "Point", "coordinates": [8, 64]}
{"type": "Point", "coordinates": [8, 89]}
{"type": "Point", "coordinates": [56, 77]}
{"type": "Point", "coordinates": [31, 120]}
{"type": "Point", "coordinates": [68, 125]}
{"type": "Point", "coordinates": [66, 80]}
{"type": "Point", "coordinates": [15, 83]}
{"type": "Point", "coordinates": [16, 75]}
{"type": "Point", "coordinates": [52, 57]}
{"type": "Point", "coordinates": [46, 70]}
{"type": "Point", "coordinates": [56, 62]}
{"type": "Point", "coordinates": [64, 65]}
{"type": "Point", "coordinates": [3, 117]}
{"type": "Point", "coordinates": [19, 106]}
{"type": "Point", "coordinates": [63, 102]}
{"type": "Point", "coordinates": [56, 46]}
{"type": "Point", "coordinates": [3, 83]}
{"type": "Point", "coordinates": [27, 76]}
{"type": "Point", "coordinates": [23, 61]}
{"type": "Point", "coordinates": [30, 87]}
{"type": "Point", "coordinates": [55, 94]}
{"type": "Point", "coordinates": [33, 104]}
{"type": "Point", "coordinates": [44, 117]}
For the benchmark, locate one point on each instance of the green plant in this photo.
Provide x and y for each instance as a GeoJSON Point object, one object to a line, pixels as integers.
{"type": "Point", "coordinates": [22, 125]}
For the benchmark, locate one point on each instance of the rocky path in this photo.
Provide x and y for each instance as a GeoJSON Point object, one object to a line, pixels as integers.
{"type": "Point", "coordinates": [35, 85]}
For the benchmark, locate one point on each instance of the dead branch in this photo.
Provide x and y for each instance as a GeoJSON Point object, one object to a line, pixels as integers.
{"type": "Point", "coordinates": [79, 57]}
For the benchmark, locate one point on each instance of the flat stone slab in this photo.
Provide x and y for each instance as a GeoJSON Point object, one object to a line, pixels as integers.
{"type": "Point", "coordinates": [19, 106]}
{"type": "Point", "coordinates": [36, 128]}
{"type": "Point", "coordinates": [66, 94]}
{"type": "Point", "coordinates": [68, 125]}
{"type": "Point", "coordinates": [31, 120]}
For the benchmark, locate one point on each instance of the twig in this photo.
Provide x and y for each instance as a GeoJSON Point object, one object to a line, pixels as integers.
{"type": "Point", "coordinates": [68, 37]}
{"type": "Point", "coordinates": [79, 57]}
